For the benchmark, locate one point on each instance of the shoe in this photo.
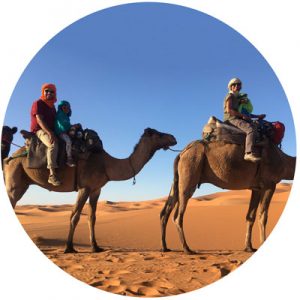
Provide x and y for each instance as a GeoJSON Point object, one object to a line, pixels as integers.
{"type": "Point", "coordinates": [54, 180]}
{"type": "Point", "coordinates": [251, 157]}
{"type": "Point", "coordinates": [70, 163]}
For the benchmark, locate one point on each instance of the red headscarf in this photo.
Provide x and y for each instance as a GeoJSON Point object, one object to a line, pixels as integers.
{"type": "Point", "coordinates": [51, 87]}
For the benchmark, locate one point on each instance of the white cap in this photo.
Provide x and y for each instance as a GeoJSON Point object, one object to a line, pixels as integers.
{"type": "Point", "coordinates": [232, 81]}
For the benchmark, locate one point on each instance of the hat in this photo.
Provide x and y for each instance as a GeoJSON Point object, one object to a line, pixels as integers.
{"type": "Point", "coordinates": [233, 81]}
{"type": "Point", "coordinates": [52, 87]}
{"type": "Point", "coordinates": [65, 103]}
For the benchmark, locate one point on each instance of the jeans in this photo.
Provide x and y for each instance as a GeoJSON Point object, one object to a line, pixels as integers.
{"type": "Point", "coordinates": [68, 141]}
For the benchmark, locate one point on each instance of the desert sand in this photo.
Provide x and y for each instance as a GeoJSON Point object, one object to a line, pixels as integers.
{"type": "Point", "coordinates": [131, 263]}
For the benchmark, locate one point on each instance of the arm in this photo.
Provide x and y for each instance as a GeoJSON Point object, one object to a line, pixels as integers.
{"type": "Point", "coordinates": [43, 125]}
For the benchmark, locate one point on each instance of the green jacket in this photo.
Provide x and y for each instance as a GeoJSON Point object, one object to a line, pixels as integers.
{"type": "Point", "coordinates": [245, 108]}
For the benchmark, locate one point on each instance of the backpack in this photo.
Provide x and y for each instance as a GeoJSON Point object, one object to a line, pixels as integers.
{"type": "Point", "coordinates": [278, 132]}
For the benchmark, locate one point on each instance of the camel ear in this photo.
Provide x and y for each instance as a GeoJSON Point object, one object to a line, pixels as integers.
{"type": "Point", "coordinates": [14, 130]}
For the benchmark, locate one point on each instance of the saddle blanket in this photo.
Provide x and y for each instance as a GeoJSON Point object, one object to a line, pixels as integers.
{"type": "Point", "coordinates": [216, 130]}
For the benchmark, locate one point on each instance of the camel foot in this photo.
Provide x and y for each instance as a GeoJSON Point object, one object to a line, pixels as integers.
{"type": "Point", "coordinates": [165, 249]}
{"type": "Point", "coordinates": [96, 249]}
{"type": "Point", "coordinates": [189, 251]}
{"type": "Point", "coordinates": [250, 249]}
{"type": "Point", "coordinates": [70, 250]}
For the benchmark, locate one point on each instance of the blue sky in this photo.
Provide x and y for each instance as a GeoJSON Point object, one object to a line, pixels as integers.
{"type": "Point", "coordinates": [146, 65]}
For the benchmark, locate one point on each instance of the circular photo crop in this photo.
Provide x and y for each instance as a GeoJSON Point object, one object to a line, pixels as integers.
{"type": "Point", "coordinates": [148, 150]}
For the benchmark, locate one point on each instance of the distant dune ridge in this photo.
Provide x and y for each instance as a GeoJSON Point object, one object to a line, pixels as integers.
{"type": "Point", "coordinates": [130, 234]}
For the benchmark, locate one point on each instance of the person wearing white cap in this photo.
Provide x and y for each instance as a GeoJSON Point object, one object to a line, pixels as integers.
{"type": "Point", "coordinates": [240, 120]}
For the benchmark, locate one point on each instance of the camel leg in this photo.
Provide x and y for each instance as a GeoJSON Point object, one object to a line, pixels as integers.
{"type": "Point", "coordinates": [184, 197]}
{"type": "Point", "coordinates": [263, 211]}
{"type": "Point", "coordinates": [251, 215]}
{"type": "Point", "coordinates": [16, 193]}
{"type": "Point", "coordinates": [94, 196]}
{"type": "Point", "coordinates": [164, 217]}
{"type": "Point", "coordinates": [82, 197]}
{"type": "Point", "coordinates": [16, 183]}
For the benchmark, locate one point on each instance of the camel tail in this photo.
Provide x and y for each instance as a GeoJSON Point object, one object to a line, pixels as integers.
{"type": "Point", "coordinates": [169, 205]}
{"type": "Point", "coordinates": [173, 195]}
{"type": "Point", "coordinates": [175, 180]}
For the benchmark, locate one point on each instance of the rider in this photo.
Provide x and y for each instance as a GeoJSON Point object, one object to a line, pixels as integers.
{"type": "Point", "coordinates": [43, 114]}
{"type": "Point", "coordinates": [240, 120]}
{"type": "Point", "coordinates": [62, 126]}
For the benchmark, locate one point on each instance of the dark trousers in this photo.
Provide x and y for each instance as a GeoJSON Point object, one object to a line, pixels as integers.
{"type": "Point", "coordinates": [249, 129]}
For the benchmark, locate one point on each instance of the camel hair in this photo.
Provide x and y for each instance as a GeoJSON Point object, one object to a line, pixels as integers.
{"type": "Point", "coordinates": [87, 178]}
{"type": "Point", "coordinates": [222, 165]}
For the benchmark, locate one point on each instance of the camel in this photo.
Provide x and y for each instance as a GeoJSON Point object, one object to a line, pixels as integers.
{"type": "Point", "coordinates": [222, 165]}
{"type": "Point", "coordinates": [6, 140]}
{"type": "Point", "coordinates": [87, 178]}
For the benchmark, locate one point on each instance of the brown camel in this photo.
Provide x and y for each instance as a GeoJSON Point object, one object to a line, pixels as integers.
{"type": "Point", "coordinates": [222, 164]}
{"type": "Point", "coordinates": [87, 178]}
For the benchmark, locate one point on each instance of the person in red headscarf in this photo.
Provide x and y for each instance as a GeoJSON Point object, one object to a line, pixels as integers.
{"type": "Point", "coordinates": [43, 114]}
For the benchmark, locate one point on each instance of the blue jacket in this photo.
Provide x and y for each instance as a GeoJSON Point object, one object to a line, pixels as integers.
{"type": "Point", "coordinates": [62, 120]}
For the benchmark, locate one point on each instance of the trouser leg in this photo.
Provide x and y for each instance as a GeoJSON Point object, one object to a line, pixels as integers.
{"type": "Point", "coordinates": [68, 141]}
{"type": "Point", "coordinates": [52, 149]}
{"type": "Point", "coordinates": [249, 129]}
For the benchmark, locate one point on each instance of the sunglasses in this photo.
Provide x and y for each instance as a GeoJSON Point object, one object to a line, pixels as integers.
{"type": "Point", "coordinates": [236, 84]}
{"type": "Point", "coordinates": [49, 92]}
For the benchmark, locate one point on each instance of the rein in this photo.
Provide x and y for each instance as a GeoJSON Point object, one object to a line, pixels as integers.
{"type": "Point", "coordinates": [174, 150]}
{"type": "Point", "coordinates": [3, 139]}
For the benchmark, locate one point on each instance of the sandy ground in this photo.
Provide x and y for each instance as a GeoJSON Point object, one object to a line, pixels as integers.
{"type": "Point", "coordinates": [129, 232]}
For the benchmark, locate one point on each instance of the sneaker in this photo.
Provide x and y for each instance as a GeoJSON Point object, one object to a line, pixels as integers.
{"type": "Point", "coordinates": [251, 157]}
{"type": "Point", "coordinates": [54, 180]}
{"type": "Point", "coordinates": [70, 163]}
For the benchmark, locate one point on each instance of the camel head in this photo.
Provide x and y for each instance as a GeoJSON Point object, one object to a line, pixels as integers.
{"type": "Point", "coordinates": [7, 134]}
{"type": "Point", "coordinates": [6, 139]}
{"type": "Point", "coordinates": [158, 139]}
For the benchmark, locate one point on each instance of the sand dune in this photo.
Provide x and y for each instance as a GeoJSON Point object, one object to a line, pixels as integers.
{"type": "Point", "coordinates": [130, 234]}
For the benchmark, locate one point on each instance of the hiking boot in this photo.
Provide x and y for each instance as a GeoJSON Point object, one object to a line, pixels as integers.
{"type": "Point", "coordinates": [70, 163]}
{"type": "Point", "coordinates": [251, 157]}
{"type": "Point", "coordinates": [54, 180]}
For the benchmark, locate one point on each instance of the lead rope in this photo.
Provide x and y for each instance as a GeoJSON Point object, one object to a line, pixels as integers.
{"type": "Point", "coordinates": [5, 140]}
{"type": "Point", "coordinates": [174, 150]}
{"type": "Point", "coordinates": [134, 180]}
{"type": "Point", "coordinates": [134, 173]}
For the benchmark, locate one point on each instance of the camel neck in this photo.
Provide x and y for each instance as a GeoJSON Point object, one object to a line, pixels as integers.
{"type": "Point", "coordinates": [123, 169]}
{"type": "Point", "coordinates": [289, 167]}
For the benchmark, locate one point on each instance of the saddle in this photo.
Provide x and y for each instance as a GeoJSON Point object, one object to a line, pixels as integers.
{"type": "Point", "coordinates": [216, 130]}
{"type": "Point", "coordinates": [82, 146]}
